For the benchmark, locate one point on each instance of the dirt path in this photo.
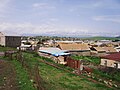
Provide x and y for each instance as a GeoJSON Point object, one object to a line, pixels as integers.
{"type": "Point", "coordinates": [7, 76]}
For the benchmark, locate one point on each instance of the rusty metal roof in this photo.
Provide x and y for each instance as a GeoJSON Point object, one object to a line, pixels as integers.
{"type": "Point", "coordinates": [115, 56]}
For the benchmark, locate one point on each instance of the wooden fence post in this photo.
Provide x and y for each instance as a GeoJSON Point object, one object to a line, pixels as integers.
{"type": "Point", "coordinates": [5, 54]}
{"type": "Point", "coordinates": [38, 78]}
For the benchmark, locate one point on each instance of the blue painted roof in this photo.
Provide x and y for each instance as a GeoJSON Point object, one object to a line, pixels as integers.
{"type": "Point", "coordinates": [54, 51]}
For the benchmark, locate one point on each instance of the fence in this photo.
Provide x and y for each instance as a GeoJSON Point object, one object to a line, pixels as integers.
{"type": "Point", "coordinates": [33, 71]}
{"type": "Point", "coordinates": [9, 54]}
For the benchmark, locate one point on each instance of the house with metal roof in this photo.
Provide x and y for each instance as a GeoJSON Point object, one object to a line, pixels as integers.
{"type": "Point", "coordinates": [117, 49]}
{"type": "Point", "coordinates": [112, 60]}
{"type": "Point", "coordinates": [75, 48]}
{"type": "Point", "coordinates": [102, 51]}
{"type": "Point", "coordinates": [109, 50]}
{"type": "Point", "coordinates": [56, 54]}
{"type": "Point", "coordinates": [10, 40]}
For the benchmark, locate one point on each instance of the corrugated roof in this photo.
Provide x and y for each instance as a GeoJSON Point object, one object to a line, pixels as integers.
{"type": "Point", "coordinates": [99, 49]}
{"type": "Point", "coordinates": [74, 46]}
{"type": "Point", "coordinates": [25, 46]}
{"type": "Point", "coordinates": [109, 49]}
{"type": "Point", "coordinates": [117, 47]}
{"type": "Point", "coordinates": [115, 56]}
{"type": "Point", "coordinates": [53, 51]}
{"type": "Point", "coordinates": [106, 49]}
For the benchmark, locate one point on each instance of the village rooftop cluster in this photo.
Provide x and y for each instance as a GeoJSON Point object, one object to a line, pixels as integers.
{"type": "Point", "coordinates": [58, 50]}
{"type": "Point", "coordinates": [64, 50]}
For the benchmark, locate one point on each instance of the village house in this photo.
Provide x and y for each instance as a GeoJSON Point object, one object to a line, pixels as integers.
{"type": "Point", "coordinates": [102, 51]}
{"type": "Point", "coordinates": [115, 44]}
{"type": "Point", "coordinates": [109, 50]}
{"type": "Point", "coordinates": [25, 47]}
{"type": "Point", "coordinates": [117, 49]}
{"type": "Point", "coordinates": [29, 45]}
{"type": "Point", "coordinates": [59, 56]}
{"type": "Point", "coordinates": [47, 44]}
{"type": "Point", "coordinates": [98, 51]}
{"type": "Point", "coordinates": [75, 48]}
{"type": "Point", "coordinates": [98, 44]}
{"type": "Point", "coordinates": [10, 40]}
{"type": "Point", "coordinates": [67, 42]}
{"type": "Point", "coordinates": [105, 41]}
{"type": "Point", "coordinates": [112, 60]}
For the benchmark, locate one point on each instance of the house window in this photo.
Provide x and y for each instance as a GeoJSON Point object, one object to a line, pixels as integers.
{"type": "Point", "coordinates": [115, 65]}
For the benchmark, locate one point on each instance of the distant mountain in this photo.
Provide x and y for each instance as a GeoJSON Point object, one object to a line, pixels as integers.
{"type": "Point", "coordinates": [28, 34]}
{"type": "Point", "coordinates": [59, 35]}
{"type": "Point", "coordinates": [118, 37]}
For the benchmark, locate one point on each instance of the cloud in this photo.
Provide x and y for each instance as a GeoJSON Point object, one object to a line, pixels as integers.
{"type": "Point", "coordinates": [47, 29]}
{"type": "Point", "coordinates": [43, 6]}
{"type": "Point", "coordinates": [26, 28]}
{"type": "Point", "coordinates": [111, 18]}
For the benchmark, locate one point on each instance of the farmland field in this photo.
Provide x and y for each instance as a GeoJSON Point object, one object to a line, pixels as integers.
{"type": "Point", "coordinates": [51, 77]}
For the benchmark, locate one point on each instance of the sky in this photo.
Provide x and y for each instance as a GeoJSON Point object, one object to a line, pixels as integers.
{"type": "Point", "coordinates": [61, 17]}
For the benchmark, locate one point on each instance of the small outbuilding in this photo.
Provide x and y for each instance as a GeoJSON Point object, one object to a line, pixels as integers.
{"type": "Point", "coordinates": [112, 60]}
{"type": "Point", "coordinates": [59, 56]}
{"type": "Point", "coordinates": [10, 40]}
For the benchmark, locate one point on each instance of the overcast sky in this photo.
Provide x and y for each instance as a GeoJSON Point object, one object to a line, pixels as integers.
{"type": "Point", "coordinates": [61, 17]}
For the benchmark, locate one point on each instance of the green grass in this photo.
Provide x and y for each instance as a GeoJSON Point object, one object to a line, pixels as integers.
{"type": "Point", "coordinates": [101, 38]}
{"type": "Point", "coordinates": [52, 78]}
{"type": "Point", "coordinates": [56, 79]}
{"type": "Point", "coordinates": [1, 81]}
{"type": "Point", "coordinates": [2, 49]}
{"type": "Point", "coordinates": [23, 77]}
{"type": "Point", "coordinates": [98, 73]}
{"type": "Point", "coordinates": [92, 59]}
{"type": "Point", "coordinates": [114, 77]}
{"type": "Point", "coordinates": [59, 80]}
{"type": "Point", "coordinates": [51, 61]}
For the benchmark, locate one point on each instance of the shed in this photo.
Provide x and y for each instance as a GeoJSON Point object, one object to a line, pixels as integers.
{"type": "Point", "coordinates": [10, 39]}
{"type": "Point", "coordinates": [57, 54]}
{"type": "Point", "coordinates": [112, 60]}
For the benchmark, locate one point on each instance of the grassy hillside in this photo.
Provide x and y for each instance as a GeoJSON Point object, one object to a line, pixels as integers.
{"type": "Point", "coordinates": [101, 38]}
{"type": "Point", "coordinates": [52, 78]}
{"type": "Point", "coordinates": [56, 79]}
